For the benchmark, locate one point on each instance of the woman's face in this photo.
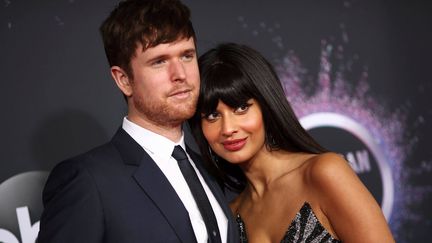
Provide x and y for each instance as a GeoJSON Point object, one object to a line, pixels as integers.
{"type": "Point", "coordinates": [235, 133]}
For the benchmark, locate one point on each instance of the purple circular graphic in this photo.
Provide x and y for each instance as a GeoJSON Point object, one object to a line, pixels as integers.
{"type": "Point", "coordinates": [333, 101]}
{"type": "Point", "coordinates": [328, 119]}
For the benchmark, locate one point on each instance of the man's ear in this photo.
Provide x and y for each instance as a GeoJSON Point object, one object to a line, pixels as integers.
{"type": "Point", "coordinates": [122, 80]}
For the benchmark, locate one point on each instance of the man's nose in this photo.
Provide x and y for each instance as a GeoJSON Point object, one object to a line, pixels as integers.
{"type": "Point", "coordinates": [177, 70]}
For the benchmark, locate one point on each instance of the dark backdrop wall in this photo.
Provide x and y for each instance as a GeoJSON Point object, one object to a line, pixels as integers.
{"type": "Point", "coordinates": [357, 73]}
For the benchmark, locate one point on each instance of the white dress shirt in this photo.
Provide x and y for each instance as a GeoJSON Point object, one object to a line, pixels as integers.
{"type": "Point", "coordinates": [160, 149]}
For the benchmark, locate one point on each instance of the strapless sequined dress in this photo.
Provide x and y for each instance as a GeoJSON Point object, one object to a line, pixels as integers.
{"type": "Point", "coordinates": [305, 228]}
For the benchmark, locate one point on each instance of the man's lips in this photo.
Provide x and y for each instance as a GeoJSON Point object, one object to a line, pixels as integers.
{"type": "Point", "coordinates": [183, 93]}
{"type": "Point", "coordinates": [235, 144]}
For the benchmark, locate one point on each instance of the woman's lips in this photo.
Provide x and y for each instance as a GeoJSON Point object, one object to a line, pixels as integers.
{"type": "Point", "coordinates": [234, 145]}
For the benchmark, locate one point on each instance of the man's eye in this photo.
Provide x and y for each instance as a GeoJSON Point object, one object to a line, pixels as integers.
{"type": "Point", "coordinates": [188, 57]}
{"type": "Point", "coordinates": [158, 62]}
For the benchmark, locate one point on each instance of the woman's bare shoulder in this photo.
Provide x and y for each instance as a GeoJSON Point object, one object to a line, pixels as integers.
{"type": "Point", "coordinates": [327, 168]}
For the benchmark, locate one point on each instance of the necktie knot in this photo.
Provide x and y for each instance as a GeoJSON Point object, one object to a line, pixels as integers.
{"type": "Point", "coordinates": [179, 153]}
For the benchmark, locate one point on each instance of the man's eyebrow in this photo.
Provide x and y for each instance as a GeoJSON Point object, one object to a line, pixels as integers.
{"type": "Point", "coordinates": [190, 50]}
{"type": "Point", "coordinates": [158, 57]}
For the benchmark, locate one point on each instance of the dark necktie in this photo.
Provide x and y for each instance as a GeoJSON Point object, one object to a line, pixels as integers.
{"type": "Point", "coordinates": [198, 193]}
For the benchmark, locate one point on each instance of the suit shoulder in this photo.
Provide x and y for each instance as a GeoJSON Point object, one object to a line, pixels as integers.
{"type": "Point", "coordinates": [82, 167]}
{"type": "Point", "coordinates": [95, 156]}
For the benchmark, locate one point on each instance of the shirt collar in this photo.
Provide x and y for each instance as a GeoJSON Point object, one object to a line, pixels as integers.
{"type": "Point", "coordinates": [153, 143]}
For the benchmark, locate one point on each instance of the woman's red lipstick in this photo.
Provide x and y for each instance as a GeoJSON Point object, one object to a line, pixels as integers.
{"type": "Point", "coordinates": [234, 145]}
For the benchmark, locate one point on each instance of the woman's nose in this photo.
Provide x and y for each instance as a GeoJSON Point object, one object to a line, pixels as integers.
{"type": "Point", "coordinates": [229, 126]}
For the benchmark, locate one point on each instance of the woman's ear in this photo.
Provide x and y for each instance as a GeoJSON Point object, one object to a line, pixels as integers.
{"type": "Point", "coordinates": [122, 80]}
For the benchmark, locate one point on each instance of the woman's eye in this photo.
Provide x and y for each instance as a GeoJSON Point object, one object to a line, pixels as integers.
{"type": "Point", "coordinates": [211, 116]}
{"type": "Point", "coordinates": [243, 108]}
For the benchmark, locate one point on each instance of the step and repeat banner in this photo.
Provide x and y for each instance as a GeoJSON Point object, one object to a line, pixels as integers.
{"type": "Point", "coordinates": [357, 73]}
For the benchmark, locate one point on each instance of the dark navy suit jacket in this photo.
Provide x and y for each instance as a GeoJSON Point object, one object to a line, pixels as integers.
{"type": "Point", "coordinates": [117, 194]}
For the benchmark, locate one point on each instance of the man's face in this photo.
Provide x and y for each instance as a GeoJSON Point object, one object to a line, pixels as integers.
{"type": "Point", "coordinates": [165, 84]}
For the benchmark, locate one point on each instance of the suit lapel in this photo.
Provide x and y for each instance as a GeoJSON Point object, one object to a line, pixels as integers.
{"type": "Point", "coordinates": [219, 195]}
{"type": "Point", "coordinates": [157, 187]}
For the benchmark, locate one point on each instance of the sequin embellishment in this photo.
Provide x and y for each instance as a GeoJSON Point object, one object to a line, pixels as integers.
{"type": "Point", "coordinates": [305, 228]}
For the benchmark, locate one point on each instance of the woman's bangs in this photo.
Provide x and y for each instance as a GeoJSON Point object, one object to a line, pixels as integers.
{"type": "Point", "coordinates": [225, 84]}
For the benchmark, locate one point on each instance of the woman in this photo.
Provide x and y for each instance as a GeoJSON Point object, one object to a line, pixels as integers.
{"type": "Point", "coordinates": [291, 188]}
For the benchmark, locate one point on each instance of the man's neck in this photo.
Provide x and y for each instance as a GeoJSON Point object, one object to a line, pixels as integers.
{"type": "Point", "coordinates": [171, 131]}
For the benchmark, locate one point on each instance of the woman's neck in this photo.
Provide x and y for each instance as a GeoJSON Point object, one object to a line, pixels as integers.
{"type": "Point", "coordinates": [266, 168]}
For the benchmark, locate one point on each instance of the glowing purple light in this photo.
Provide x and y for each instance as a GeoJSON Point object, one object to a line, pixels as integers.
{"type": "Point", "coordinates": [334, 94]}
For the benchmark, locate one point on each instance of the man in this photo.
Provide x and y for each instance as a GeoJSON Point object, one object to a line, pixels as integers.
{"type": "Point", "coordinates": [132, 189]}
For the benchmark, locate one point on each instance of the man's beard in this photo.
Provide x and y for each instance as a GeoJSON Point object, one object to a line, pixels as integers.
{"type": "Point", "coordinates": [166, 114]}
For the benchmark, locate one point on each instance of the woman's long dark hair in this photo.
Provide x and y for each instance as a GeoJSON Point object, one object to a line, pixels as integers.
{"type": "Point", "coordinates": [234, 73]}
